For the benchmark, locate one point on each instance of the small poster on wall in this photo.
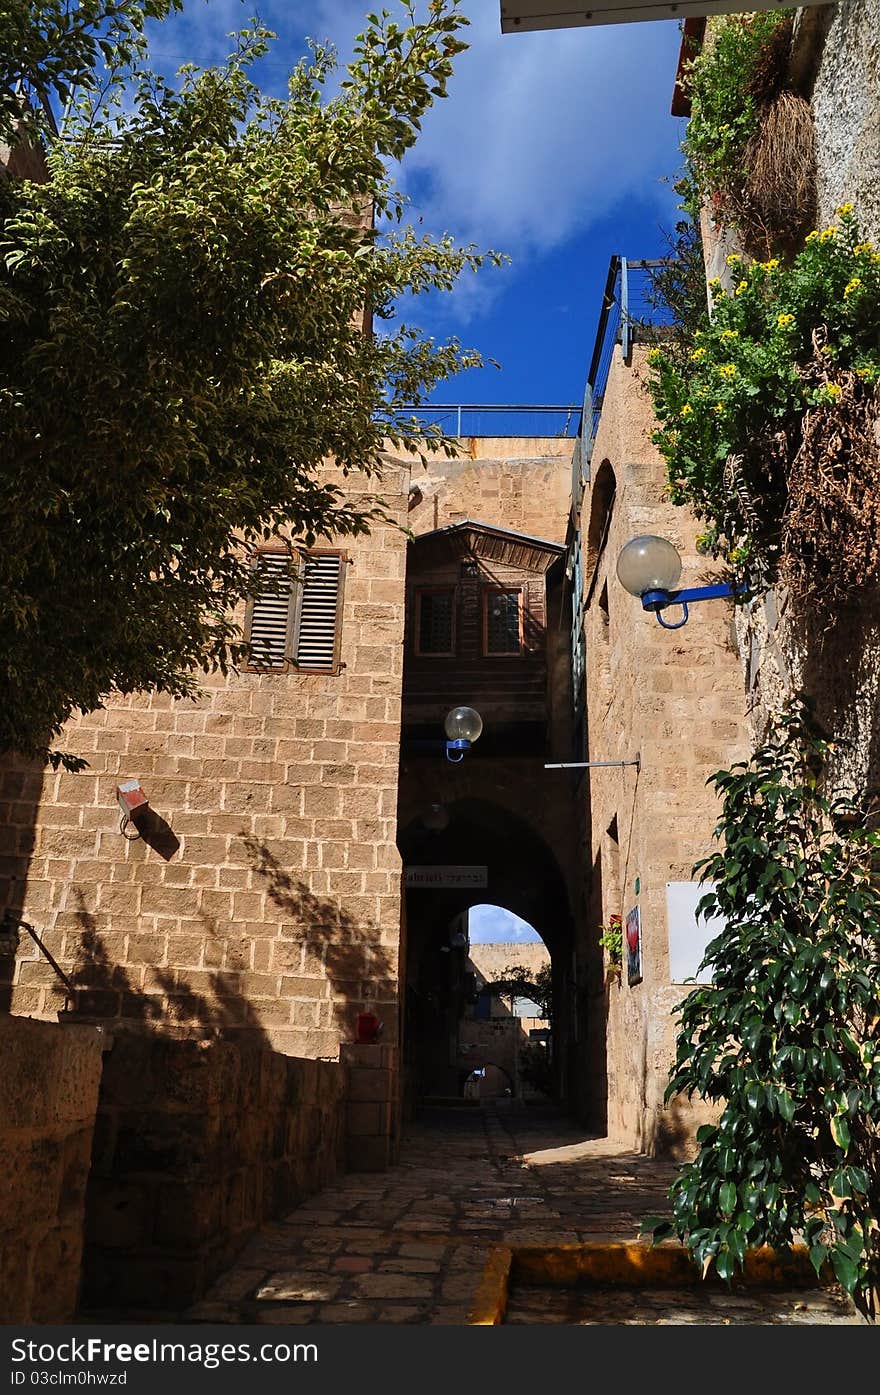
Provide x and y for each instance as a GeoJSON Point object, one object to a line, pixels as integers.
{"type": "Point", "coordinates": [633, 940]}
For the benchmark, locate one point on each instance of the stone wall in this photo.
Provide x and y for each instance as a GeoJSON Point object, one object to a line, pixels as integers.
{"type": "Point", "coordinates": [836, 62]}
{"type": "Point", "coordinates": [675, 699]}
{"type": "Point", "coordinates": [48, 1096]}
{"type": "Point", "coordinates": [520, 483]}
{"type": "Point", "coordinates": [846, 109]}
{"type": "Point", "coordinates": [268, 897]}
{"type": "Point", "coordinates": [197, 1143]}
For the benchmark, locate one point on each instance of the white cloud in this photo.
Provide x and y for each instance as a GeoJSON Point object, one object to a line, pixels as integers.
{"type": "Point", "coordinates": [541, 134]}
{"type": "Point", "coordinates": [489, 925]}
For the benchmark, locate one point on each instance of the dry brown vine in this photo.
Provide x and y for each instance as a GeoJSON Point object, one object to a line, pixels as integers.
{"type": "Point", "coordinates": [831, 528]}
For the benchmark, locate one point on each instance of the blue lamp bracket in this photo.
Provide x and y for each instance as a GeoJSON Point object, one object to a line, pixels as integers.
{"type": "Point", "coordinates": [657, 601]}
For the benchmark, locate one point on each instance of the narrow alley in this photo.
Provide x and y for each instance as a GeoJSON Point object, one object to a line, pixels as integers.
{"type": "Point", "coordinates": [411, 1245]}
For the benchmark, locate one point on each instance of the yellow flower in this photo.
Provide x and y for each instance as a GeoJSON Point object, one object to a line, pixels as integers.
{"type": "Point", "coordinates": [825, 349]}
{"type": "Point", "coordinates": [727, 370]}
{"type": "Point", "coordinates": [719, 408]}
{"type": "Point", "coordinates": [730, 334]}
{"type": "Point", "coordinates": [833, 390]}
{"type": "Point", "coordinates": [783, 321]}
{"type": "Point", "coordinates": [844, 210]}
{"type": "Point", "coordinates": [862, 248]}
{"type": "Point", "coordinates": [811, 237]}
{"type": "Point", "coordinates": [743, 286]}
{"type": "Point", "coordinates": [714, 283]}
{"type": "Point", "coordinates": [771, 265]}
{"type": "Point", "coordinates": [864, 371]}
{"type": "Point", "coordinates": [851, 287]}
{"type": "Point", "coordinates": [698, 354]}
{"type": "Point", "coordinates": [687, 410]}
{"type": "Point", "coordinates": [827, 234]}
{"type": "Point", "coordinates": [653, 355]}
{"type": "Point", "coordinates": [733, 259]}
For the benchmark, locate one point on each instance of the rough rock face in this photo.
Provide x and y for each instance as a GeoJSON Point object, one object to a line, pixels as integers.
{"type": "Point", "coordinates": [846, 108]}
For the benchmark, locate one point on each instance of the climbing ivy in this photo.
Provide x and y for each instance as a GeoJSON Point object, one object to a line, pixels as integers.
{"type": "Point", "coordinates": [788, 1034]}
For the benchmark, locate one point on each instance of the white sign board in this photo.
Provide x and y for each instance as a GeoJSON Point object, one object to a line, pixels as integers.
{"type": "Point", "coordinates": [446, 877]}
{"type": "Point", "coordinates": [688, 936]}
{"type": "Point", "coordinates": [522, 16]}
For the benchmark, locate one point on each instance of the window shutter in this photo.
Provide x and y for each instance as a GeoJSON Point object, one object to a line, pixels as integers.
{"type": "Point", "coordinates": [317, 637]}
{"type": "Point", "coordinates": [271, 614]}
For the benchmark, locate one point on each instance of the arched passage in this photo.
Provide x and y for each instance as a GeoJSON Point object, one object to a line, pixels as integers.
{"type": "Point", "coordinates": [522, 875]}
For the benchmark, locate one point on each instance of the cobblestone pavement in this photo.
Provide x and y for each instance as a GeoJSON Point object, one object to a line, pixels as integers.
{"type": "Point", "coordinates": [705, 1306]}
{"type": "Point", "coordinates": [409, 1245]}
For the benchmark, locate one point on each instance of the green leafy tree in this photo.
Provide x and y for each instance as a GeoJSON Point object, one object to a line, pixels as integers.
{"type": "Point", "coordinates": [183, 349]}
{"type": "Point", "coordinates": [517, 981]}
{"type": "Point", "coordinates": [788, 1034]}
{"type": "Point", "coordinates": [49, 48]}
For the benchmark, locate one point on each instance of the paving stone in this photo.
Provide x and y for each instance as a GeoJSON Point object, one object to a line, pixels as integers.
{"type": "Point", "coordinates": [293, 1286]}
{"type": "Point", "coordinates": [393, 1286]}
{"type": "Point", "coordinates": [345, 1312]}
{"type": "Point", "coordinates": [353, 1264]}
{"type": "Point", "coordinates": [410, 1250]}
{"type": "Point", "coordinates": [400, 1313]}
{"type": "Point", "coordinates": [409, 1266]}
{"type": "Point", "coordinates": [284, 1317]}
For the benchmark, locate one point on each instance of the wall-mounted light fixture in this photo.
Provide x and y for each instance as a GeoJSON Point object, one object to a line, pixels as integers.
{"type": "Point", "coordinates": [463, 726]}
{"type": "Point", "coordinates": [133, 805]}
{"type": "Point", "coordinates": [649, 568]}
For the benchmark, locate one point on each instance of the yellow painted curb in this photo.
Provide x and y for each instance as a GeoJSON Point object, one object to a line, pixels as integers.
{"type": "Point", "coordinates": [620, 1264]}
{"type": "Point", "coordinates": [490, 1300]}
{"type": "Point", "coordinates": [641, 1265]}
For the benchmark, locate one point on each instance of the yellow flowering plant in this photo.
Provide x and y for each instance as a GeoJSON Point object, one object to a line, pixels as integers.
{"type": "Point", "coordinates": [745, 385]}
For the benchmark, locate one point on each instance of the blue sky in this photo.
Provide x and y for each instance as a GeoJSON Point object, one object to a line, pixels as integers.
{"type": "Point", "coordinates": [555, 148]}
{"type": "Point", "coordinates": [493, 925]}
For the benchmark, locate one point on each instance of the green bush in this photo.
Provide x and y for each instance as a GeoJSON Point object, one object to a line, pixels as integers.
{"type": "Point", "coordinates": [788, 1034]}
{"type": "Point", "coordinates": [728, 83]}
{"type": "Point", "coordinates": [742, 390]}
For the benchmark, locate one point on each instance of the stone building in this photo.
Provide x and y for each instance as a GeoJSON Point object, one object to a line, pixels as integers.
{"type": "Point", "coordinates": [673, 701]}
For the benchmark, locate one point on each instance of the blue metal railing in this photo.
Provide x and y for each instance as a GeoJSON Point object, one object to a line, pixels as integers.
{"type": "Point", "coordinates": [625, 305]}
{"type": "Point", "coordinates": [499, 419]}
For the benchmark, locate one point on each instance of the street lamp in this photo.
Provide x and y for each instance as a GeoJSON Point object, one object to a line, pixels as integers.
{"type": "Point", "coordinates": [649, 568]}
{"type": "Point", "coordinates": [462, 726]}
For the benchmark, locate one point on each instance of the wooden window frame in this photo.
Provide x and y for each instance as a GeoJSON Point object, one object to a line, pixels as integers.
{"type": "Point", "coordinates": [299, 560]}
{"type": "Point", "coordinates": [419, 592]}
{"type": "Point", "coordinates": [518, 590]}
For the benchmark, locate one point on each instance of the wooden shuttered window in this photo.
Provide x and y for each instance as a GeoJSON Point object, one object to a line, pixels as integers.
{"type": "Point", "coordinates": [294, 626]}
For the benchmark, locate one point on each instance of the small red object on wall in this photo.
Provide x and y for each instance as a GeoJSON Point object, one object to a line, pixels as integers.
{"type": "Point", "coordinates": [369, 1028]}
{"type": "Point", "coordinates": [131, 798]}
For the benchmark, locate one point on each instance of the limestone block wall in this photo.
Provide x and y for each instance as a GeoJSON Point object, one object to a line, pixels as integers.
{"type": "Point", "coordinates": [268, 898]}
{"type": "Point", "coordinates": [676, 700]}
{"type": "Point", "coordinates": [197, 1143]}
{"type": "Point", "coordinates": [48, 1097]}
{"type": "Point", "coordinates": [522, 483]}
{"type": "Point", "coordinates": [373, 1106]}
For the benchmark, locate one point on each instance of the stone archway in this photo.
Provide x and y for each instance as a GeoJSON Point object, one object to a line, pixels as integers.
{"type": "Point", "coordinates": [523, 875]}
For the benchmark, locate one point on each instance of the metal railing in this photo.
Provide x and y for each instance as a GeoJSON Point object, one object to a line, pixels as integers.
{"type": "Point", "coordinates": [626, 304]}
{"type": "Point", "coordinates": [462, 419]}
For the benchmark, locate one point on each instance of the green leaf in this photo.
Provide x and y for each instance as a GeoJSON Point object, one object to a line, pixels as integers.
{"type": "Point", "coordinates": [728, 1198]}
{"type": "Point", "coordinates": [845, 1270]}
{"type": "Point", "coordinates": [818, 1256]}
{"type": "Point", "coordinates": [840, 1131]}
